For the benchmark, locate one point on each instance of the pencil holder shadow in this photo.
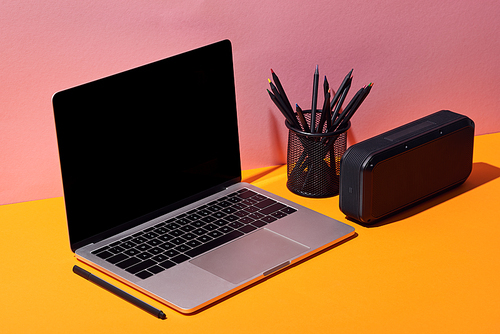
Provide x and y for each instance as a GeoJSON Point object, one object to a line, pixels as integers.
{"type": "Point", "coordinates": [313, 161]}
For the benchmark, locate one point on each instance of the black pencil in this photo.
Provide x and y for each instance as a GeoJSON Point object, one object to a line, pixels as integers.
{"type": "Point", "coordinates": [281, 90]}
{"type": "Point", "coordinates": [346, 110]}
{"type": "Point", "coordinates": [287, 110]}
{"type": "Point", "coordinates": [338, 107]}
{"type": "Point", "coordinates": [341, 88]}
{"type": "Point", "coordinates": [280, 108]}
{"type": "Point", "coordinates": [314, 99]}
{"type": "Point", "coordinates": [324, 112]}
{"type": "Point", "coordinates": [357, 104]}
{"type": "Point", "coordinates": [302, 118]}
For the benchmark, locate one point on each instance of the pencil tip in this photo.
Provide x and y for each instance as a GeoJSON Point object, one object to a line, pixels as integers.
{"type": "Point", "coordinates": [269, 80]}
{"type": "Point", "coordinates": [272, 71]}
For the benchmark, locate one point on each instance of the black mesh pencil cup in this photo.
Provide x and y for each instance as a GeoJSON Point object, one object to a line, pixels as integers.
{"type": "Point", "coordinates": [313, 161]}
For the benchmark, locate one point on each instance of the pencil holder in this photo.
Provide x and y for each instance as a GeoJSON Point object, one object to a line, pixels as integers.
{"type": "Point", "coordinates": [313, 160]}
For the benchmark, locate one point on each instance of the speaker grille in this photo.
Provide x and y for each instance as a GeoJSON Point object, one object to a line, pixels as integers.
{"type": "Point", "coordinates": [421, 172]}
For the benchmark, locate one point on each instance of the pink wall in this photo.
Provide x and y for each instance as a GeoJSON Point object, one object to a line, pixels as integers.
{"type": "Point", "coordinates": [423, 56]}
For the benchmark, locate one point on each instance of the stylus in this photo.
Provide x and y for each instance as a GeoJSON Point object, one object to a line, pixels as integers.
{"type": "Point", "coordinates": [120, 293]}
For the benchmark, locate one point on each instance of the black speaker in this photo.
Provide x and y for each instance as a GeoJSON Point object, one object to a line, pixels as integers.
{"type": "Point", "coordinates": [389, 172]}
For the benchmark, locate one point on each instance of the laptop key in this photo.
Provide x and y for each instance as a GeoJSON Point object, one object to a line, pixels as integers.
{"type": "Point", "coordinates": [214, 234]}
{"type": "Point", "coordinates": [144, 256]}
{"type": "Point", "coordinates": [272, 208]}
{"type": "Point", "coordinates": [104, 254]}
{"type": "Point", "coordinates": [204, 238]}
{"type": "Point", "coordinates": [236, 225]}
{"type": "Point", "coordinates": [200, 231]}
{"type": "Point", "coordinates": [128, 263]}
{"type": "Point", "coordinates": [265, 203]}
{"type": "Point", "coordinates": [161, 230]}
{"type": "Point", "coordinates": [100, 250]}
{"type": "Point", "coordinates": [171, 253]}
{"type": "Point", "coordinates": [231, 218]}
{"type": "Point", "coordinates": [225, 229]}
{"type": "Point", "coordinates": [179, 258]}
{"type": "Point", "coordinates": [278, 214]}
{"type": "Point", "coordinates": [178, 241]}
{"type": "Point", "coordinates": [193, 243]}
{"type": "Point", "coordinates": [155, 251]}
{"type": "Point", "coordinates": [210, 227]}
{"type": "Point", "coordinates": [127, 245]}
{"type": "Point", "coordinates": [154, 242]}
{"type": "Point", "coordinates": [143, 247]}
{"type": "Point", "coordinates": [116, 249]}
{"type": "Point", "coordinates": [160, 258]}
{"type": "Point", "coordinates": [182, 248]}
{"type": "Point", "coordinates": [141, 266]}
{"type": "Point", "coordinates": [189, 236]}
{"type": "Point", "coordinates": [139, 240]}
{"type": "Point", "coordinates": [167, 264]}
{"type": "Point", "coordinates": [156, 269]}
{"type": "Point", "coordinates": [289, 210]}
{"type": "Point", "coordinates": [117, 258]}
{"type": "Point", "coordinates": [256, 215]}
{"type": "Point", "coordinates": [214, 243]}
{"type": "Point", "coordinates": [167, 246]}
{"type": "Point", "coordinates": [176, 233]}
{"type": "Point", "coordinates": [268, 219]}
{"type": "Point", "coordinates": [258, 223]}
{"type": "Point", "coordinates": [247, 194]}
{"type": "Point", "coordinates": [208, 219]}
{"type": "Point", "coordinates": [251, 209]}
{"type": "Point", "coordinates": [247, 228]}
{"type": "Point", "coordinates": [246, 220]}
{"type": "Point", "coordinates": [214, 208]}
{"type": "Point", "coordinates": [131, 252]}
{"type": "Point", "coordinates": [144, 274]}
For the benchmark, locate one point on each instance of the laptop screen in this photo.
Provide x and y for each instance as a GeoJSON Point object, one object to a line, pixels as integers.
{"type": "Point", "coordinates": [147, 140]}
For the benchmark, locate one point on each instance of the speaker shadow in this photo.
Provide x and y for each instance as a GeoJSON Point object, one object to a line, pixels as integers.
{"type": "Point", "coordinates": [482, 173]}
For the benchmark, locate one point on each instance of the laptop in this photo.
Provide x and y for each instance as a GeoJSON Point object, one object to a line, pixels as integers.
{"type": "Point", "coordinates": [151, 174]}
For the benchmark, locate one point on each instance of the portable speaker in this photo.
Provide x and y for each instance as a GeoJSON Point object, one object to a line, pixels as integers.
{"type": "Point", "coordinates": [401, 167]}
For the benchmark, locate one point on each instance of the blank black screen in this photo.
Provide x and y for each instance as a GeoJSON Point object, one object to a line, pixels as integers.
{"type": "Point", "coordinates": [146, 139]}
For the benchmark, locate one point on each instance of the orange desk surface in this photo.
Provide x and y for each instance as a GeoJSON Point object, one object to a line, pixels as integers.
{"type": "Point", "coordinates": [432, 269]}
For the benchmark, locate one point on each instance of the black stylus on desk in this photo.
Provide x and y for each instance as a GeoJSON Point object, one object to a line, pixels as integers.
{"type": "Point", "coordinates": [120, 293]}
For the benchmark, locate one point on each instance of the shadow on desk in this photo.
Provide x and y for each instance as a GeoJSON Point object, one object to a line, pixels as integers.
{"type": "Point", "coordinates": [482, 173]}
{"type": "Point", "coordinates": [254, 178]}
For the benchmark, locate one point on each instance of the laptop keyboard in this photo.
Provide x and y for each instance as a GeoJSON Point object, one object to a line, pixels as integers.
{"type": "Point", "coordinates": [185, 236]}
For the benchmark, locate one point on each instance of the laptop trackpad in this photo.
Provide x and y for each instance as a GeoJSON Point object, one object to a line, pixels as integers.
{"type": "Point", "coordinates": [250, 256]}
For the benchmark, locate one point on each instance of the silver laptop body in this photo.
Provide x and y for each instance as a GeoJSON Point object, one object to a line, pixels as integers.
{"type": "Point", "coordinates": [151, 174]}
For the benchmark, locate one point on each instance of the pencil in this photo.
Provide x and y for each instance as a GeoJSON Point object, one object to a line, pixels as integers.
{"type": "Point", "coordinates": [338, 107]}
{"type": "Point", "coordinates": [280, 108]}
{"type": "Point", "coordinates": [314, 99]}
{"type": "Point", "coordinates": [281, 90]}
{"type": "Point", "coordinates": [357, 104]}
{"type": "Point", "coordinates": [349, 106]}
{"type": "Point", "coordinates": [341, 88]}
{"type": "Point", "coordinates": [302, 118]}
{"type": "Point", "coordinates": [289, 111]}
{"type": "Point", "coordinates": [324, 112]}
